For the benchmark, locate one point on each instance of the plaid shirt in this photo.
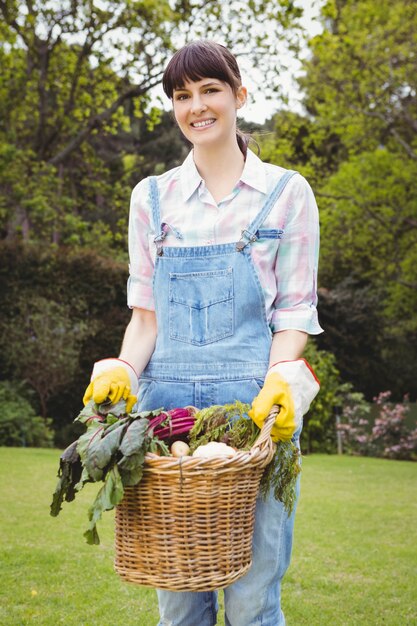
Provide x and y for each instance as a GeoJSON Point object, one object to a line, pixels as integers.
{"type": "Point", "coordinates": [287, 267]}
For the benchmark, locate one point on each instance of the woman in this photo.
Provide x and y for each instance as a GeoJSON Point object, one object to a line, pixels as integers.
{"type": "Point", "coordinates": [223, 266]}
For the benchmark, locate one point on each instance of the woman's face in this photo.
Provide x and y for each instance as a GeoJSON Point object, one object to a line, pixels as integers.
{"type": "Point", "coordinates": [205, 111]}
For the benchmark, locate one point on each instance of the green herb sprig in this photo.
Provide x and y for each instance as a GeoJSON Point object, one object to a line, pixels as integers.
{"type": "Point", "coordinates": [281, 475]}
{"type": "Point", "coordinates": [227, 423]}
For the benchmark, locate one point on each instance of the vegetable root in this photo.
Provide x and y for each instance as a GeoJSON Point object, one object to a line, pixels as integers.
{"type": "Point", "coordinates": [180, 448]}
{"type": "Point", "coordinates": [214, 448]}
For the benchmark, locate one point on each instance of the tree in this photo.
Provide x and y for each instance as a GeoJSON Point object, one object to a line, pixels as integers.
{"type": "Point", "coordinates": [360, 86]}
{"type": "Point", "coordinates": [293, 140]}
{"type": "Point", "coordinates": [60, 308]}
{"type": "Point", "coordinates": [19, 425]}
{"type": "Point", "coordinates": [355, 335]}
{"type": "Point", "coordinates": [369, 229]}
{"type": "Point", "coordinates": [77, 72]}
{"type": "Point", "coordinates": [44, 346]}
{"type": "Point", "coordinates": [361, 78]}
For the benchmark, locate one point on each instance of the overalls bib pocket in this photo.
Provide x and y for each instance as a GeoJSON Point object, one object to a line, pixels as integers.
{"type": "Point", "coordinates": [201, 306]}
{"type": "Point", "coordinates": [258, 383]}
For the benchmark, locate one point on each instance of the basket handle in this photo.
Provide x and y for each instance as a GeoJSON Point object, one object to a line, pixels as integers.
{"type": "Point", "coordinates": [265, 433]}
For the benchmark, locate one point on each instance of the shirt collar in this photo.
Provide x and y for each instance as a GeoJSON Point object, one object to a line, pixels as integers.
{"type": "Point", "coordinates": [190, 178]}
{"type": "Point", "coordinates": [253, 175]}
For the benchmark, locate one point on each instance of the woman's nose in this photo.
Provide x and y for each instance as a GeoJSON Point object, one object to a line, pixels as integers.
{"type": "Point", "coordinates": [198, 106]}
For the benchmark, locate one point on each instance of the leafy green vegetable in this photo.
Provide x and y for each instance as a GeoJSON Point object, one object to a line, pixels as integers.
{"type": "Point", "coordinates": [85, 440]}
{"type": "Point", "coordinates": [133, 450]}
{"type": "Point", "coordinates": [69, 474]}
{"type": "Point", "coordinates": [117, 410]}
{"type": "Point", "coordinates": [109, 496]}
{"type": "Point", "coordinates": [131, 468]}
{"type": "Point", "coordinates": [87, 413]}
{"type": "Point", "coordinates": [134, 437]}
{"type": "Point", "coordinates": [242, 434]}
{"type": "Point", "coordinates": [111, 450]}
{"type": "Point", "coordinates": [101, 450]}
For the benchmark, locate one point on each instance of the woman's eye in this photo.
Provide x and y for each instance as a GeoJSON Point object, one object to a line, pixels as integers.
{"type": "Point", "coordinates": [211, 90]}
{"type": "Point", "coordinates": [181, 96]}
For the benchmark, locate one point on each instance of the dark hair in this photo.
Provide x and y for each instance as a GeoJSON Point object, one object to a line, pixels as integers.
{"type": "Point", "coordinates": [204, 59]}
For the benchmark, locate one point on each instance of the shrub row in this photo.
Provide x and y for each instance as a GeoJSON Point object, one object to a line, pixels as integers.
{"type": "Point", "coordinates": [60, 311]}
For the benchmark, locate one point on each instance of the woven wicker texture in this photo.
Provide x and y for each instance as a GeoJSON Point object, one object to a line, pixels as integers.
{"type": "Point", "coordinates": [188, 525]}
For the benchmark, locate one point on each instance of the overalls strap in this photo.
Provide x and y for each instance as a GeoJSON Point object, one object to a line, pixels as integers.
{"type": "Point", "coordinates": [156, 215]}
{"type": "Point", "coordinates": [160, 228]}
{"type": "Point", "coordinates": [154, 202]}
{"type": "Point", "coordinates": [250, 234]}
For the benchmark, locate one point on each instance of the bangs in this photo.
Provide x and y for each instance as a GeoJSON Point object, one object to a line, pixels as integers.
{"type": "Point", "coordinates": [200, 60]}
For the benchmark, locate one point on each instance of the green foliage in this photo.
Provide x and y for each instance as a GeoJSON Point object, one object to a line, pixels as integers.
{"type": "Point", "coordinates": [319, 427]}
{"type": "Point", "coordinates": [294, 141]}
{"type": "Point", "coordinates": [356, 143]}
{"type": "Point", "coordinates": [75, 101]}
{"type": "Point", "coordinates": [360, 80]}
{"type": "Point", "coordinates": [56, 310]}
{"type": "Point", "coordinates": [369, 229]}
{"type": "Point", "coordinates": [281, 475]}
{"type": "Point", "coordinates": [360, 86]}
{"type": "Point", "coordinates": [356, 333]}
{"type": "Point", "coordinates": [230, 424]}
{"type": "Point", "coordinates": [112, 451]}
{"type": "Point", "coordinates": [226, 423]}
{"type": "Point", "coordinates": [44, 344]}
{"type": "Point", "coordinates": [19, 425]}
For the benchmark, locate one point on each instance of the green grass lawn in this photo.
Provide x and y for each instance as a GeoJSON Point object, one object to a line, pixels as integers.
{"type": "Point", "coordinates": [354, 559]}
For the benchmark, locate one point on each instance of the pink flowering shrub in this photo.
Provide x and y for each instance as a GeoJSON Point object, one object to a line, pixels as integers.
{"type": "Point", "coordinates": [388, 436]}
{"type": "Point", "coordinates": [354, 424]}
{"type": "Point", "coordinates": [390, 431]}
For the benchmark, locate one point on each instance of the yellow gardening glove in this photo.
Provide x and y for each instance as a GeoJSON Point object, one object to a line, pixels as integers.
{"type": "Point", "coordinates": [276, 390]}
{"type": "Point", "coordinates": [111, 385]}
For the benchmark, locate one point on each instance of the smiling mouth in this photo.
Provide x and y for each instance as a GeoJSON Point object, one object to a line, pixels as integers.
{"type": "Point", "coordinates": [203, 123]}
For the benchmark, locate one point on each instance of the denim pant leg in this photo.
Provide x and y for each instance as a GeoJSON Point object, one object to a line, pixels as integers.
{"type": "Point", "coordinates": [187, 608]}
{"type": "Point", "coordinates": [255, 599]}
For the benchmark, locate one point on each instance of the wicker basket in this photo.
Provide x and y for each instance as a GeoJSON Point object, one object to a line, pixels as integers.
{"type": "Point", "coordinates": [188, 525]}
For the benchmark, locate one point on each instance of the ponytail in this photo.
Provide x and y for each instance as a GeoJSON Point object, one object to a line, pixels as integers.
{"type": "Point", "coordinates": [243, 140]}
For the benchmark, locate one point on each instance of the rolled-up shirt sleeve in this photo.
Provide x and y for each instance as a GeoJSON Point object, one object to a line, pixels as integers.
{"type": "Point", "coordinates": [295, 306]}
{"type": "Point", "coordinates": [141, 262]}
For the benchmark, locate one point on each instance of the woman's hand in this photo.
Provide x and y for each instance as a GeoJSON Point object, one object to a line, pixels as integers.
{"type": "Point", "coordinates": [276, 390]}
{"type": "Point", "coordinates": [111, 381]}
{"type": "Point", "coordinates": [114, 379]}
{"type": "Point", "coordinates": [293, 386]}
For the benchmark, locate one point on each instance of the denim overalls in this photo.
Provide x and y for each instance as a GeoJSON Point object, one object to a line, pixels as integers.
{"type": "Point", "coordinates": [213, 345]}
